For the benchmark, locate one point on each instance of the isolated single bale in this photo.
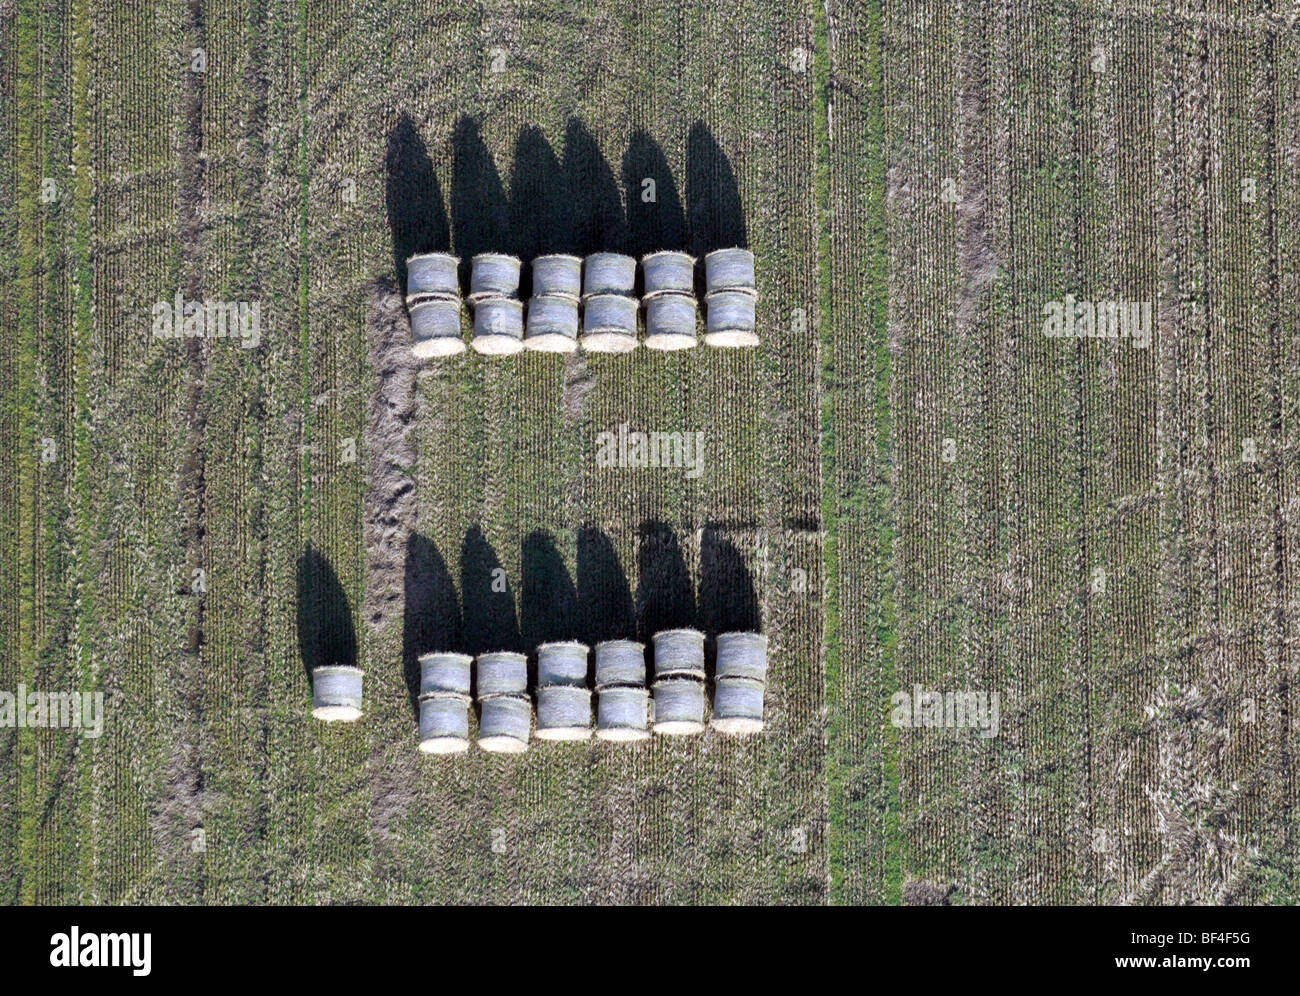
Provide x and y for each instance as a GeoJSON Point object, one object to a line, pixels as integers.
{"type": "Point", "coordinates": [563, 713]}
{"type": "Point", "coordinates": [609, 324]}
{"type": "Point", "coordinates": [678, 706]}
{"type": "Point", "coordinates": [730, 317]}
{"type": "Point", "coordinates": [444, 723]}
{"type": "Point", "coordinates": [742, 655]}
{"type": "Point", "coordinates": [336, 693]}
{"type": "Point", "coordinates": [679, 652]}
{"type": "Point", "coordinates": [670, 322]}
{"type": "Point", "coordinates": [562, 663]}
{"type": "Point", "coordinates": [730, 270]}
{"type": "Point", "coordinates": [505, 724]}
{"type": "Point", "coordinates": [493, 274]}
{"type": "Point", "coordinates": [435, 328]}
{"type": "Point", "coordinates": [623, 714]}
{"type": "Point", "coordinates": [668, 272]}
{"type": "Point", "coordinates": [608, 273]}
{"type": "Point", "coordinates": [498, 326]}
{"type": "Point", "coordinates": [619, 662]}
{"type": "Point", "coordinates": [502, 672]}
{"type": "Point", "coordinates": [432, 275]}
{"type": "Point", "coordinates": [738, 705]}
{"type": "Point", "coordinates": [552, 324]}
{"type": "Point", "coordinates": [445, 673]}
{"type": "Point", "coordinates": [557, 275]}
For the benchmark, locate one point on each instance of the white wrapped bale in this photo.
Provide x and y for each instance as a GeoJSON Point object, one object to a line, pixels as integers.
{"type": "Point", "coordinates": [670, 322]}
{"type": "Point", "coordinates": [562, 663]}
{"type": "Point", "coordinates": [619, 662]}
{"type": "Point", "coordinates": [668, 273]}
{"type": "Point", "coordinates": [493, 274]}
{"type": "Point", "coordinates": [444, 723]}
{"type": "Point", "coordinates": [498, 326]}
{"type": "Point", "coordinates": [609, 324]}
{"type": "Point", "coordinates": [563, 713]}
{"type": "Point", "coordinates": [336, 693]}
{"type": "Point", "coordinates": [623, 714]}
{"type": "Point", "coordinates": [432, 275]}
{"type": "Point", "coordinates": [502, 672]}
{"type": "Point", "coordinates": [678, 706]}
{"type": "Point", "coordinates": [730, 270]}
{"type": "Point", "coordinates": [446, 673]}
{"type": "Point", "coordinates": [738, 705]}
{"type": "Point", "coordinates": [435, 328]}
{"type": "Point", "coordinates": [552, 324]}
{"type": "Point", "coordinates": [679, 652]}
{"type": "Point", "coordinates": [730, 319]}
{"type": "Point", "coordinates": [557, 275]}
{"type": "Point", "coordinates": [608, 273]}
{"type": "Point", "coordinates": [505, 724]}
{"type": "Point", "coordinates": [742, 655]}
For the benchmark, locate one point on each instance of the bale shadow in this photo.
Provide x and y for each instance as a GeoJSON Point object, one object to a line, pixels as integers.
{"type": "Point", "coordinates": [548, 599]}
{"type": "Point", "coordinates": [487, 603]}
{"type": "Point", "coordinates": [727, 600]}
{"type": "Point", "coordinates": [715, 213]}
{"type": "Point", "coordinates": [665, 597]}
{"type": "Point", "coordinates": [606, 609]}
{"type": "Point", "coordinates": [417, 218]}
{"type": "Point", "coordinates": [480, 216]}
{"type": "Point", "coordinates": [432, 617]}
{"type": "Point", "coordinates": [541, 205]}
{"type": "Point", "coordinates": [660, 223]}
{"type": "Point", "coordinates": [326, 632]}
{"type": "Point", "coordinates": [597, 207]}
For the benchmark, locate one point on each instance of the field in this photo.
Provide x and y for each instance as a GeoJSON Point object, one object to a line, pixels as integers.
{"type": "Point", "coordinates": [908, 485]}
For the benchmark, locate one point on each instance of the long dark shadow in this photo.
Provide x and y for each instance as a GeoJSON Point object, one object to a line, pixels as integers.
{"type": "Point", "coordinates": [480, 216]}
{"type": "Point", "coordinates": [548, 600]}
{"type": "Point", "coordinates": [432, 618]}
{"type": "Point", "coordinates": [727, 600]}
{"type": "Point", "coordinates": [326, 632]}
{"type": "Point", "coordinates": [655, 217]}
{"type": "Point", "coordinates": [598, 222]}
{"type": "Point", "coordinates": [606, 609]}
{"type": "Point", "coordinates": [714, 210]}
{"type": "Point", "coordinates": [665, 597]}
{"type": "Point", "coordinates": [487, 601]}
{"type": "Point", "coordinates": [541, 204]}
{"type": "Point", "coordinates": [417, 218]}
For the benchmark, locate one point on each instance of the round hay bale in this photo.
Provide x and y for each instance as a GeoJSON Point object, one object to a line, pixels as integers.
{"type": "Point", "coordinates": [432, 275]}
{"type": "Point", "coordinates": [730, 270]}
{"type": "Point", "coordinates": [679, 652]}
{"type": "Point", "coordinates": [504, 725]}
{"type": "Point", "coordinates": [619, 662]}
{"type": "Point", "coordinates": [563, 713]}
{"type": "Point", "coordinates": [498, 326]}
{"type": "Point", "coordinates": [444, 723]}
{"type": "Point", "coordinates": [738, 705]}
{"type": "Point", "coordinates": [557, 275]}
{"type": "Point", "coordinates": [623, 714]}
{"type": "Point", "coordinates": [608, 273]}
{"type": "Point", "coordinates": [609, 324]}
{"type": "Point", "coordinates": [493, 274]}
{"type": "Point", "coordinates": [552, 324]}
{"type": "Point", "coordinates": [668, 272]}
{"type": "Point", "coordinates": [730, 319]}
{"type": "Point", "coordinates": [502, 672]}
{"type": "Point", "coordinates": [742, 655]}
{"type": "Point", "coordinates": [336, 693]}
{"type": "Point", "coordinates": [435, 328]}
{"type": "Point", "coordinates": [670, 322]}
{"type": "Point", "coordinates": [445, 672]}
{"type": "Point", "coordinates": [562, 663]}
{"type": "Point", "coordinates": [678, 706]}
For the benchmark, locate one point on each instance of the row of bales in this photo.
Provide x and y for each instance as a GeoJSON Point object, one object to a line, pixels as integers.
{"type": "Point", "coordinates": [626, 710]}
{"type": "Point", "coordinates": [575, 302]}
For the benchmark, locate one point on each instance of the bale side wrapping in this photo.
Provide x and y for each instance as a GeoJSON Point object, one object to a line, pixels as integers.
{"type": "Point", "coordinates": [445, 672]}
{"type": "Point", "coordinates": [738, 705]}
{"type": "Point", "coordinates": [668, 272]}
{"type": "Point", "coordinates": [505, 724]}
{"type": "Point", "coordinates": [678, 706]}
{"type": "Point", "coordinates": [730, 270]}
{"type": "Point", "coordinates": [562, 663]}
{"type": "Point", "coordinates": [435, 328]}
{"type": "Point", "coordinates": [620, 662]}
{"type": "Point", "coordinates": [563, 713]}
{"type": "Point", "coordinates": [623, 714]}
{"type": "Point", "coordinates": [670, 322]}
{"type": "Point", "coordinates": [608, 273]}
{"type": "Point", "coordinates": [336, 693]}
{"type": "Point", "coordinates": [552, 324]}
{"type": "Point", "coordinates": [432, 274]}
{"type": "Point", "coordinates": [493, 275]}
{"type": "Point", "coordinates": [730, 319]}
{"type": "Point", "coordinates": [444, 724]}
{"type": "Point", "coordinates": [498, 326]}
{"type": "Point", "coordinates": [742, 655]}
{"type": "Point", "coordinates": [502, 672]}
{"type": "Point", "coordinates": [609, 324]}
{"type": "Point", "coordinates": [557, 275]}
{"type": "Point", "coordinates": [679, 652]}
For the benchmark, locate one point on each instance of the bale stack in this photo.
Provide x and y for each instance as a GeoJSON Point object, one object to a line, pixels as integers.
{"type": "Point", "coordinates": [498, 312]}
{"type": "Point", "coordinates": [729, 299]}
{"type": "Point", "coordinates": [623, 705]}
{"type": "Point", "coordinates": [563, 698]}
{"type": "Point", "coordinates": [336, 693]}
{"type": "Point", "coordinates": [505, 713]}
{"type": "Point", "coordinates": [609, 305]}
{"type": "Point", "coordinates": [553, 308]}
{"type": "Point", "coordinates": [669, 299]}
{"type": "Point", "coordinates": [444, 702]}
{"type": "Point", "coordinates": [679, 682]}
{"type": "Point", "coordinates": [433, 302]}
{"type": "Point", "coordinates": [741, 678]}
